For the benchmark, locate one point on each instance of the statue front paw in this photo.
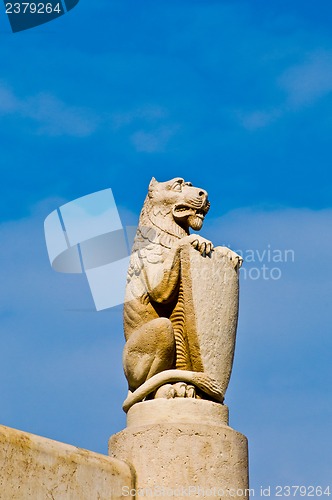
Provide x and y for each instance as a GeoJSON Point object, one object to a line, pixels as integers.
{"type": "Point", "coordinates": [204, 246]}
{"type": "Point", "coordinates": [235, 259]}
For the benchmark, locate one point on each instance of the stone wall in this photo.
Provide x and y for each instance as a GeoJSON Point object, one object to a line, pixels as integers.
{"type": "Point", "coordinates": [39, 468]}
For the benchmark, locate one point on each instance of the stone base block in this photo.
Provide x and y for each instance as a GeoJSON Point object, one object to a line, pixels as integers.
{"type": "Point", "coordinates": [183, 448]}
{"type": "Point", "coordinates": [38, 468]}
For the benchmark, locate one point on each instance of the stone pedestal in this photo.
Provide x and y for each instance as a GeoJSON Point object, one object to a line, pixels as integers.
{"type": "Point", "coordinates": [183, 448]}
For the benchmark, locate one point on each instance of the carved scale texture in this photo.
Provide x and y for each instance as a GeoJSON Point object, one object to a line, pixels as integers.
{"type": "Point", "coordinates": [178, 321]}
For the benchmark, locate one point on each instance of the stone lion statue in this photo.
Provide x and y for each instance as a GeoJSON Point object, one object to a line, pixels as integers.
{"type": "Point", "coordinates": [165, 355]}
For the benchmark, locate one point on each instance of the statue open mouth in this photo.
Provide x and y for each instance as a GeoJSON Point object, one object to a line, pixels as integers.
{"type": "Point", "coordinates": [185, 211]}
{"type": "Point", "coordinates": [201, 213]}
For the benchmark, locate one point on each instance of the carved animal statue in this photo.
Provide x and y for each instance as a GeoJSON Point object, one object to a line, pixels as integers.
{"type": "Point", "coordinates": [158, 358]}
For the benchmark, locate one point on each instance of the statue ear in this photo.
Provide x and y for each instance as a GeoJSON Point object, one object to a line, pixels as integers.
{"type": "Point", "coordinates": [152, 184]}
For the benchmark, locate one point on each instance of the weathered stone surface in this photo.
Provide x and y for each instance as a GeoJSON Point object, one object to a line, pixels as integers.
{"type": "Point", "coordinates": [211, 296]}
{"type": "Point", "coordinates": [185, 457]}
{"type": "Point", "coordinates": [180, 313]}
{"type": "Point", "coordinates": [179, 410]}
{"type": "Point", "coordinates": [39, 468]}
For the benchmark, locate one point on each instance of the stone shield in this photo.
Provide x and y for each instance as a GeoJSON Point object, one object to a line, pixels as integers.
{"type": "Point", "coordinates": [210, 287]}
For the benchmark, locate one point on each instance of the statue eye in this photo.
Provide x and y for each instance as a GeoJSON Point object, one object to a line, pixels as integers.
{"type": "Point", "coordinates": [188, 184]}
{"type": "Point", "coordinates": [177, 186]}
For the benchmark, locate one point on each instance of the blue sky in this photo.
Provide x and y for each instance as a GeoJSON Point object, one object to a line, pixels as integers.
{"type": "Point", "coordinates": [234, 96]}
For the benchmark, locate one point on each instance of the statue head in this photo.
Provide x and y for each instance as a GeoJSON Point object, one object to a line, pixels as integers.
{"type": "Point", "coordinates": [176, 198]}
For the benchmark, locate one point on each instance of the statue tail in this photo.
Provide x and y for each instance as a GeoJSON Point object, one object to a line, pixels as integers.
{"type": "Point", "coordinates": [199, 379]}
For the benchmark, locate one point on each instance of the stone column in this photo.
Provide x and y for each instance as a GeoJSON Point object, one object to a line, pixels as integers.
{"type": "Point", "coordinates": [183, 448]}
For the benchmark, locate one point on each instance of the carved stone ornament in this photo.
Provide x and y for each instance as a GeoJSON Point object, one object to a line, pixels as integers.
{"type": "Point", "coordinates": [181, 305]}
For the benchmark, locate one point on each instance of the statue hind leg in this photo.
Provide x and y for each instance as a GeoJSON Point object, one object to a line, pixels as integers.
{"type": "Point", "coordinates": [148, 351]}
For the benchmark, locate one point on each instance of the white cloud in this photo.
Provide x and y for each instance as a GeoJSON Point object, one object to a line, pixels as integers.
{"type": "Point", "coordinates": [148, 113]}
{"type": "Point", "coordinates": [8, 102]}
{"type": "Point", "coordinates": [304, 84]}
{"type": "Point", "coordinates": [153, 142]}
{"type": "Point", "coordinates": [151, 131]}
{"type": "Point", "coordinates": [308, 81]}
{"type": "Point", "coordinates": [51, 115]}
{"type": "Point", "coordinates": [258, 119]}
